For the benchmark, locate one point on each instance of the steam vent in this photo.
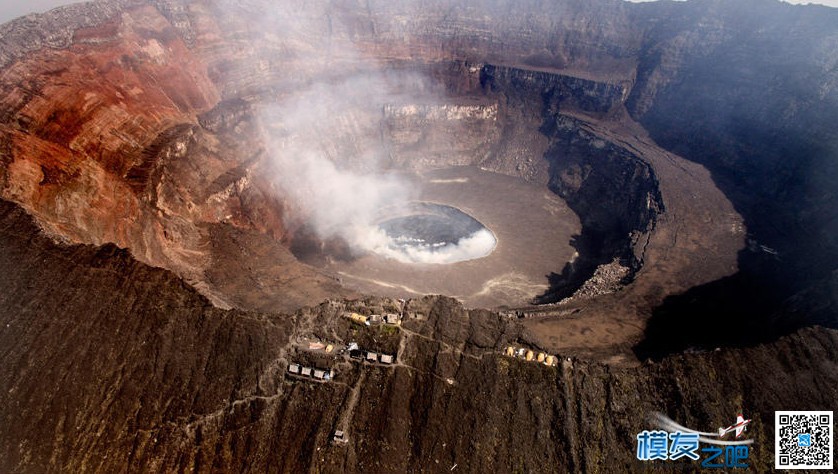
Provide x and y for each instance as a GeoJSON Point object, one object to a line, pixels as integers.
{"type": "Point", "coordinates": [404, 236]}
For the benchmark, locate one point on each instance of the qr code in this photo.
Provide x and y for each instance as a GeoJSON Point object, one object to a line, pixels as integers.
{"type": "Point", "coordinates": [803, 440]}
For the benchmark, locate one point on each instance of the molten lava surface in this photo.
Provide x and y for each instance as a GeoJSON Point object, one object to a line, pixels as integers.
{"type": "Point", "coordinates": [434, 233]}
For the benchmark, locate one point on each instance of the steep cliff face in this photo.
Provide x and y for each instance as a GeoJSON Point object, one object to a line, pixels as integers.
{"type": "Point", "coordinates": [110, 364]}
{"type": "Point", "coordinates": [748, 91]}
{"type": "Point", "coordinates": [554, 91]}
{"type": "Point", "coordinates": [91, 124]}
{"type": "Point", "coordinates": [614, 191]}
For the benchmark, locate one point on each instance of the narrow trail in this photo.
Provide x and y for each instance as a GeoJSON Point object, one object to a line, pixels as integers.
{"type": "Point", "coordinates": [348, 409]}
{"type": "Point", "coordinates": [441, 343]}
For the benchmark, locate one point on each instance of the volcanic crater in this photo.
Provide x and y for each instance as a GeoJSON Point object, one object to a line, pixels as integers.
{"type": "Point", "coordinates": [193, 191]}
{"type": "Point", "coordinates": [237, 157]}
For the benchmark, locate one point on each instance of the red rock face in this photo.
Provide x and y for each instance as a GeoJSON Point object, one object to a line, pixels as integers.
{"type": "Point", "coordinates": [86, 117]}
{"type": "Point", "coordinates": [103, 144]}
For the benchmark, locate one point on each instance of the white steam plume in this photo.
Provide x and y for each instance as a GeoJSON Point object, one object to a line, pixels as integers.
{"type": "Point", "coordinates": [327, 152]}
{"type": "Point", "coordinates": [314, 138]}
{"type": "Point", "coordinates": [477, 245]}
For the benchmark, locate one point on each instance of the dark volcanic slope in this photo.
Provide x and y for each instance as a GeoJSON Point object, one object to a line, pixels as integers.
{"type": "Point", "coordinates": [96, 347]}
{"type": "Point", "coordinates": [749, 90]}
{"type": "Point", "coordinates": [112, 365]}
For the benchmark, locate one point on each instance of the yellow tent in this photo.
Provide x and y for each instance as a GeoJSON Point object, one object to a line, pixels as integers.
{"type": "Point", "coordinates": [358, 318]}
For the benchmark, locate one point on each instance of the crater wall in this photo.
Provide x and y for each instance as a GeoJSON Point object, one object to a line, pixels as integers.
{"type": "Point", "coordinates": [199, 73]}
{"type": "Point", "coordinates": [184, 59]}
